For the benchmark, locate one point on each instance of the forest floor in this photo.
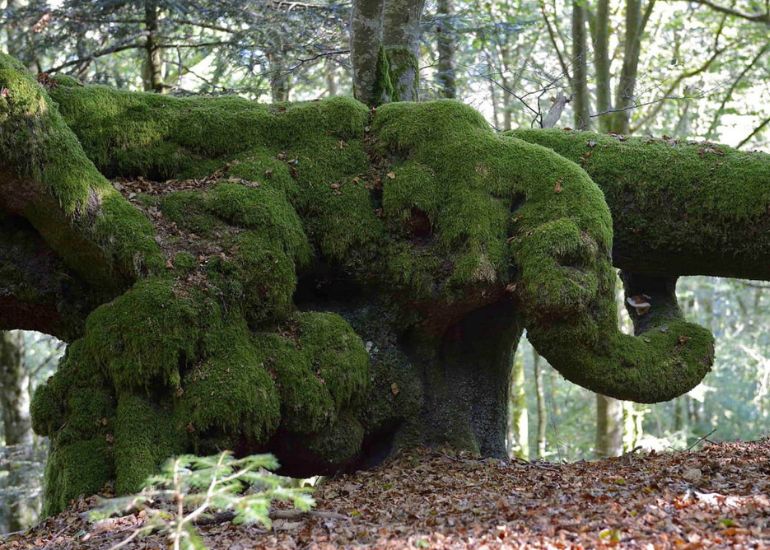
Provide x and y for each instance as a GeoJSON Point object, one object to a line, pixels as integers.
{"type": "Point", "coordinates": [717, 496]}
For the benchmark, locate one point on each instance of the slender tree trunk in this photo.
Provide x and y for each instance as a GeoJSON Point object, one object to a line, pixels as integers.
{"type": "Point", "coordinates": [519, 414]}
{"type": "Point", "coordinates": [365, 50]}
{"type": "Point", "coordinates": [280, 79]}
{"type": "Point", "coordinates": [609, 427]}
{"type": "Point", "coordinates": [579, 67]}
{"type": "Point", "coordinates": [542, 413]}
{"type": "Point", "coordinates": [601, 40]}
{"type": "Point", "coordinates": [331, 78]}
{"type": "Point", "coordinates": [153, 61]}
{"type": "Point", "coordinates": [17, 425]}
{"type": "Point", "coordinates": [636, 21]}
{"type": "Point", "coordinates": [446, 49]}
{"type": "Point", "coordinates": [401, 41]}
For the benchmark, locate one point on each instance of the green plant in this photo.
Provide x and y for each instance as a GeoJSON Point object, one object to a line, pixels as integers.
{"type": "Point", "coordinates": [190, 489]}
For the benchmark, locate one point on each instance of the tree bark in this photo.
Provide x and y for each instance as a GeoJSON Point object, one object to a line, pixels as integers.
{"type": "Point", "coordinates": [153, 59]}
{"type": "Point", "coordinates": [636, 21]}
{"type": "Point", "coordinates": [445, 42]}
{"type": "Point", "coordinates": [365, 50]}
{"type": "Point", "coordinates": [519, 414]}
{"type": "Point", "coordinates": [580, 100]}
{"type": "Point", "coordinates": [17, 425]}
{"type": "Point", "coordinates": [542, 413]}
{"type": "Point", "coordinates": [401, 41]}
{"type": "Point", "coordinates": [601, 43]}
{"type": "Point", "coordinates": [609, 427]}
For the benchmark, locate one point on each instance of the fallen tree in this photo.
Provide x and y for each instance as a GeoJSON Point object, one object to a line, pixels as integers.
{"type": "Point", "coordinates": [319, 280]}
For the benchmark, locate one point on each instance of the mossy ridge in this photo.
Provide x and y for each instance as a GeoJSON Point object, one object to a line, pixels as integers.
{"type": "Point", "coordinates": [723, 196]}
{"type": "Point", "coordinates": [146, 434]}
{"type": "Point", "coordinates": [105, 241]}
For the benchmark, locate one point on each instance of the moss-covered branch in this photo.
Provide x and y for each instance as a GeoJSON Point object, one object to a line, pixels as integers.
{"type": "Point", "coordinates": [47, 179]}
{"type": "Point", "coordinates": [678, 208]}
{"type": "Point", "coordinates": [337, 282]}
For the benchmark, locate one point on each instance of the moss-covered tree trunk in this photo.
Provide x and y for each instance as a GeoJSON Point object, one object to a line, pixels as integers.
{"type": "Point", "coordinates": [339, 282]}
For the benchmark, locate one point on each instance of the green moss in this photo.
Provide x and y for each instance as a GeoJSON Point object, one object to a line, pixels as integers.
{"type": "Point", "coordinates": [320, 367]}
{"type": "Point", "coordinates": [721, 194]}
{"type": "Point", "coordinates": [143, 337]}
{"type": "Point", "coordinates": [79, 468]}
{"type": "Point", "coordinates": [336, 445]}
{"type": "Point", "coordinates": [188, 210]}
{"type": "Point", "coordinates": [80, 215]}
{"type": "Point", "coordinates": [263, 208]}
{"type": "Point", "coordinates": [47, 410]}
{"type": "Point", "coordinates": [184, 262]}
{"type": "Point", "coordinates": [146, 434]}
{"type": "Point", "coordinates": [231, 391]}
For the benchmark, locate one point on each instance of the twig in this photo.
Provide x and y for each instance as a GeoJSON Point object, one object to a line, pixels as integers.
{"type": "Point", "coordinates": [223, 517]}
{"type": "Point", "coordinates": [701, 439]}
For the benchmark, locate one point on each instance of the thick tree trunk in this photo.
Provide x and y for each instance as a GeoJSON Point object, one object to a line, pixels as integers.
{"type": "Point", "coordinates": [365, 50]}
{"type": "Point", "coordinates": [445, 44]}
{"type": "Point", "coordinates": [401, 42]}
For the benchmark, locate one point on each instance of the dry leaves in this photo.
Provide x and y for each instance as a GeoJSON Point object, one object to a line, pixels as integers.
{"type": "Point", "coordinates": [432, 499]}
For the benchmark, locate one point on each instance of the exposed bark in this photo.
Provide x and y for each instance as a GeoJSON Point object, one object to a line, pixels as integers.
{"type": "Point", "coordinates": [601, 42]}
{"type": "Point", "coordinates": [280, 77]}
{"type": "Point", "coordinates": [519, 415]}
{"type": "Point", "coordinates": [401, 41]}
{"type": "Point", "coordinates": [609, 427]}
{"type": "Point", "coordinates": [153, 58]}
{"type": "Point", "coordinates": [17, 425]}
{"type": "Point", "coordinates": [14, 390]}
{"type": "Point", "coordinates": [365, 44]}
{"type": "Point", "coordinates": [445, 44]}
{"type": "Point", "coordinates": [580, 99]}
{"type": "Point", "coordinates": [542, 412]}
{"type": "Point", "coordinates": [636, 22]}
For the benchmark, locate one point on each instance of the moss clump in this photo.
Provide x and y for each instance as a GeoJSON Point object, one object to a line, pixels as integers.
{"type": "Point", "coordinates": [337, 445]}
{"type": "Point", "coordinates": [74, 208]}
{"type": "Point", "coordinates": [231, 392]}
{"type": "Point", "coordinates": [79, 468]}
{"type": "Point", "coordinates": [320, 367]}
{"type": "Point", "coordinates": [146, 434]}
{"type": "Point", "coordinates": [143, 337]}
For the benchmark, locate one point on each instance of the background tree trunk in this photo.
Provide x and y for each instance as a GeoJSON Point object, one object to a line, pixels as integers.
{"type": "Point", "coordinates": [580, 100]}
{"type": "Point", "coordinates": [401, 41]}
{"type": "Point", "coordinates": [153, 61]}
{"type": "Point", "coordinates": [601, 43]}
{"type": "Point", "coordinates": [519, 418]}
{"type": "Point", "coordinates": [609, 427]}
{"type": "Point", "coordinates": [542, 413]}
{"type": "Point", "coordinates": [17, 425]}
{"type": "Point", "coordinates": [445, 42]}
{"type": "Point", "coordinates": [365, 45]}
{"type": "Point", "coordinates": [636, 21]}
